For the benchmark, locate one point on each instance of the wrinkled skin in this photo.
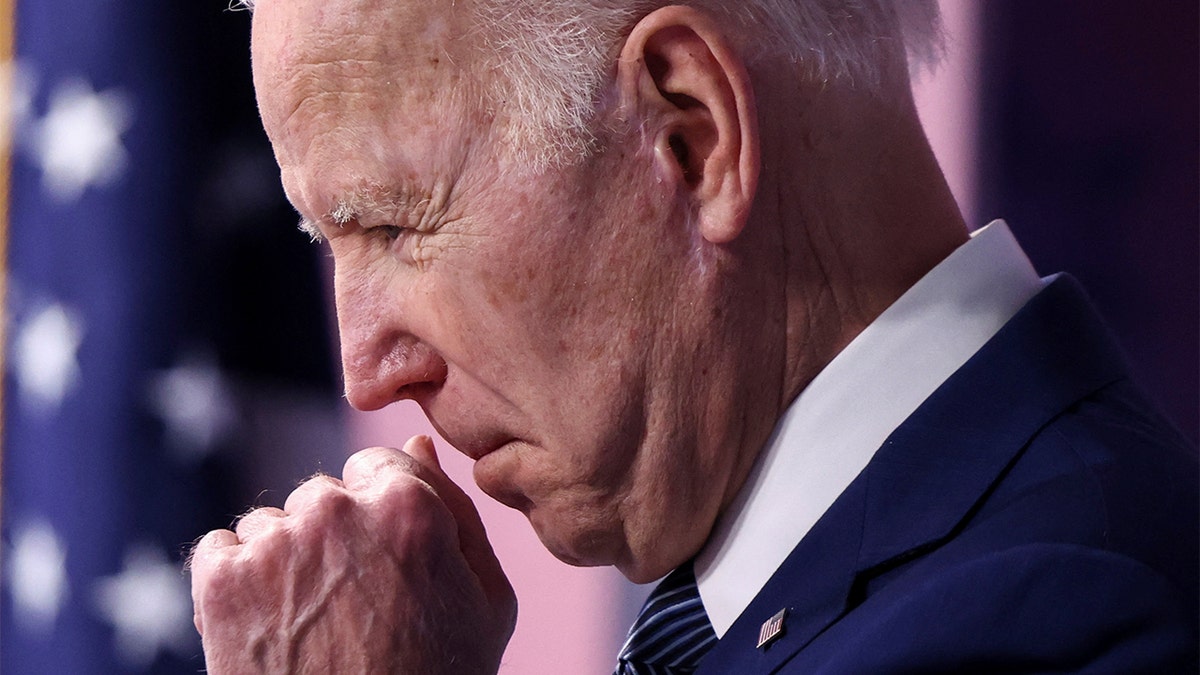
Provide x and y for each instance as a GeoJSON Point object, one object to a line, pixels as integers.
{"type": "Point", "coordinates": [612, 340]}
{"type": "Point", "coordinates": [387, 570]}
{"type": "Point", "coordinates": [571, 331]}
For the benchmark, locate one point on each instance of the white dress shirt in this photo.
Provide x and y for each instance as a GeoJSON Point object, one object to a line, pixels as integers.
{"type": "Point", "coordinates": [833, 428]}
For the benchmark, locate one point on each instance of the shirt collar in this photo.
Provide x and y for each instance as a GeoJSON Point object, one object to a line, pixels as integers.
{"type": "Point", "coordinates": [833, 428]}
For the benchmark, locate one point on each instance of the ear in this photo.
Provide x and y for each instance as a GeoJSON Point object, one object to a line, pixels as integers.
{"type": "Point", "coordinates": [682, 75]}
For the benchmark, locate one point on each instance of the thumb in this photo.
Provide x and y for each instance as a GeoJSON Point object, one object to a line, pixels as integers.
{"type": "Point", "coordinates": [421, 449]}
{"type": "Point", "coordinates": [472, 536]}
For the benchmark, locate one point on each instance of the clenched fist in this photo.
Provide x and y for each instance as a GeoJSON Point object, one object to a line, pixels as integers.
{"type": "Point", "coordinates": [387, 570]}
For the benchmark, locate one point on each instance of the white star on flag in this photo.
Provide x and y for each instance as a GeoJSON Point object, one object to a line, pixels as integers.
{"type": "Point", "coordinates": [193, 402]}
{"type": "Point", "coordinates": [149, 605]}
{"type": "Point", "coordinates": [44, 357]}
{"type": "Point", "coordinates": [78, 142]}
{"type": "Point", "coordinates": [37, 575]}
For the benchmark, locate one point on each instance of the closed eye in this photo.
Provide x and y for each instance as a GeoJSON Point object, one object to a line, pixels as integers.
{"type": "Point", "coordinates": [392, 232]}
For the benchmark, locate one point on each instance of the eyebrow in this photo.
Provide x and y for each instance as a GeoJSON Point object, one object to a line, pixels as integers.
{"type": "Point", "coordinates": [311, 229]}
{"type": "Point", "coordinates": [359, 202]}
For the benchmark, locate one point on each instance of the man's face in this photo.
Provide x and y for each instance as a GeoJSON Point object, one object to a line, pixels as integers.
{"type": "Point", "coordinates": [553, 327]}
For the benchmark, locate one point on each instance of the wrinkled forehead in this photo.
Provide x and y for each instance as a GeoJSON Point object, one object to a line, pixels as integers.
{"type": "Point", "coordinates": [306, 50]}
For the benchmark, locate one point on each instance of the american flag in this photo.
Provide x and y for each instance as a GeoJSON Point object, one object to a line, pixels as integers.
{"type": "Point", "coordinates": [163, 320]}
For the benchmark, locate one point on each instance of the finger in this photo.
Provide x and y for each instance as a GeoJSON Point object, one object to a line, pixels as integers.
{"type": "Point", "coordinates": [203, 560]}
{"type": "Point", "coordinates": [211, 547]}
{"type": "Point", "coordinates": [421, 449]}
{"type": "Point", "coordinates": [472, 536]}
{"type": "Point", "coordinates": [213, 542]}
{"type": "Point", "coordinates": [372, 466]}
{"type": "Point", "coordinates": [258, 521]}
{"type": "Point", "coordinates": [310, 492]}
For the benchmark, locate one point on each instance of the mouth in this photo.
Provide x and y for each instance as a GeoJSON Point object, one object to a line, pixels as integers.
{"type": "Point", "coordinates": [478, 446]}
{"type": "Point", "coordinates": [493, 470]}
{"type": "Point", "coordinates": [480, 449]}
{"type": "Point", "coordinates": [475, 445]}
{"type": "Point", "coordinates": [494, 474]}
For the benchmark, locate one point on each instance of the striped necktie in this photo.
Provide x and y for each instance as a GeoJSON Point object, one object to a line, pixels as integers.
{"type": "Point", "coordinates": [671, 633]}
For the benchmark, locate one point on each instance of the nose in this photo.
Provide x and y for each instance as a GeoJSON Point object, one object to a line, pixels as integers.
{"type": "Point", "coordinates": [391, 370]}
{"type": "Point", "coordinates": [382, 361]}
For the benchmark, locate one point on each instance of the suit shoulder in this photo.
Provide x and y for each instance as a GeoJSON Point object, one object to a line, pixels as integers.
{"type": "Point", "coordinates": [1109, 472]}
{"type": "Point", "coordinates": [1031, 608]}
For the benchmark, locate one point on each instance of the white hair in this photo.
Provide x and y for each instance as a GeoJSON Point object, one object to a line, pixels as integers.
{"type": "Point", "coordinates": [552, 60]}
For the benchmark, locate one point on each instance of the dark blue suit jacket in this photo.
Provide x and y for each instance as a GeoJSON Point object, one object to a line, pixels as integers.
{"type": "Point", "coordinates": [1034, 515]}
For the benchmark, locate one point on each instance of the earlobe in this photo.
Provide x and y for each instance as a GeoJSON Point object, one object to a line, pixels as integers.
{"type": "Point", "coordinates": [684, 79]}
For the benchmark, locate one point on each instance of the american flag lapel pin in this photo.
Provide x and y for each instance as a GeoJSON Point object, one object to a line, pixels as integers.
{"type": "Point", "coordinates": [772, 629]}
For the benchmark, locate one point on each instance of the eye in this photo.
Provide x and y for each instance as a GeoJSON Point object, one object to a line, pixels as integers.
{"type": "Point", "coordinates": [392, 232]}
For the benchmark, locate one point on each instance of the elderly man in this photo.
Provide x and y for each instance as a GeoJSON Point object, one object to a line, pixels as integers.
{"type": "Point", "coordinates": [686, 282]}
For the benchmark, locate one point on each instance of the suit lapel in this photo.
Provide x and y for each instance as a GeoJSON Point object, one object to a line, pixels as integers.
{"type": "Point", "coordinates": [930, 474]}
{"type": "Point", "coordinates": [814, 598]}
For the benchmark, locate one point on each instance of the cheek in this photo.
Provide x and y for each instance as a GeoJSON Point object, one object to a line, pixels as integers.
{"type": "Point", "coordinates": [513, 285]}
{"type": "Point", "coordinates": [534, 283]}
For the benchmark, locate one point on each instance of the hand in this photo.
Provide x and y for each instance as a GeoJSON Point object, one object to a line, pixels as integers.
{"type": "Point", "coordinates": [388, 570]}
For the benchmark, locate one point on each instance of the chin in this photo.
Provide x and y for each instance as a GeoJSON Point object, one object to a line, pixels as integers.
{"type": "Point", "coordinates": [578, 547]}
{"type": "Point", "coordinates": [599, 548]}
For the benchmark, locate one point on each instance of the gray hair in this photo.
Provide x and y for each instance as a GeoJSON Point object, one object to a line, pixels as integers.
{"type": "Point", "coordinates": [555, 58]}
{"type": "Point", "coordinates": [552, 60]}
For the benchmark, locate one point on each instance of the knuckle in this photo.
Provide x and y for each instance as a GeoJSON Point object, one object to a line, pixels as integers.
{"type": "Point", "coordinates": [329, 505]}
{"type": "Point", "coordinates": [416, 515]}
{"type": "Point", "coordinates": [313, 491]}
{"type": "Point", "coordinates": [319, 481]}
{"type": "Point", "coordinates": [254, 523]}
{"type": "Point", "coordinates": [208, 549]}
{"type": "Point", "coordinates": [369, 459]}
{"type": "Point", "coordinates": [409, 495]}
{"type": "Point", "coordinates": [373, 465]}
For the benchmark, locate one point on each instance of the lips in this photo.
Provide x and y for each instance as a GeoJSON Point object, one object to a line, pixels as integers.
{"type": "Point", "coordinates": [495, 473]}
{"type": "Point", "coordinates": [478, 451]}
{"type": "Point", "coordinates": [477, 444]}
{"type": "Point", "coordinates": [494, 480]}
